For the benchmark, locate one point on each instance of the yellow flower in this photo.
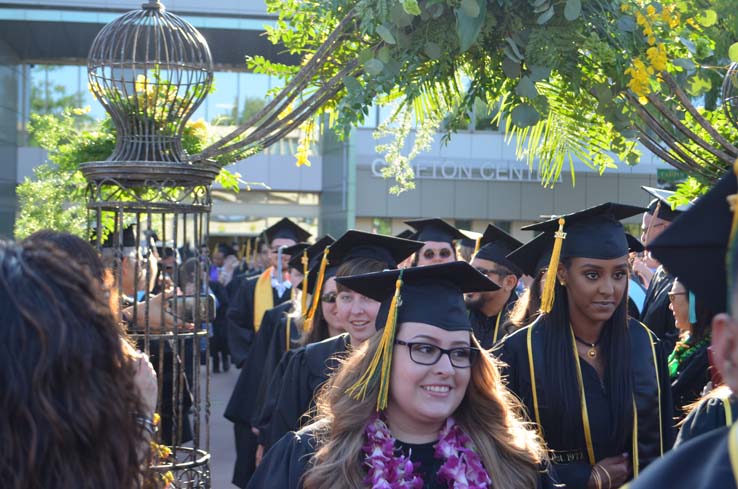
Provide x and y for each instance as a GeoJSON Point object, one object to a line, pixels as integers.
{"type": "Point", "coordinates": [651, 40]}
{"type": "Point", "coordinates": [141, 84]}
{"type": "Point", "coordinates": [651, 11]}
{"type": "Point", "coordinates": [624, 7]}
{"type": "Point", "coordinates": [674, 20]}
{"type": "Point", "coordinates": [640, 82]}
{"type": "Point", "coordinates": [81, 110]}
{"type": "Point", "coordinates": [657, 57]}
{"type": "Point", "coordinates": [302, 156]}
{"type": "Point", "coordinates": [640, 19]}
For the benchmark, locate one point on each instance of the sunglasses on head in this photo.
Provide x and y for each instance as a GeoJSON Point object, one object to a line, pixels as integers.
{"type": "Point", "coordinates": [430, 254]}
{"type": "Point", "coordinates": [329, 298]}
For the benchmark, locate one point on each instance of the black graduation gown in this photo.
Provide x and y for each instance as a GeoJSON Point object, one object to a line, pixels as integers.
{"type": "Point", "coordinates": [262, 418]}
{"type": "Point", "coordinates": [219, 341]}
{"type": "Point", "coordinates": [485, 327]}
{"type": "Point", "coordinates": [690, 380]}
{"type": "Point", "coordinates": [241, 317]}
{"type": "Point", "coordinates": [656, 313]}
{"type": "Point", "coordinates": [284, 465]}
{"type": "Point", "coordinates": [710, 414]}
{"type": "Point", "coordinates": [242, 405]}
{"type": "Point", "coordinates": [307, 370]}
{"type": "Point", "coordinates": [701, 463]}
{"type": "Point", "coordinates": [569, 449]}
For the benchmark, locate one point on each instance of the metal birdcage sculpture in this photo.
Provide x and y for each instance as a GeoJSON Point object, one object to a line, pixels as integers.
{"type": "Point", "coordinates": [149, 212]}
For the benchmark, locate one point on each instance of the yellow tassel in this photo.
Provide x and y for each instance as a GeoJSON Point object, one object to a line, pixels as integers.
{"type": "Point", "coordinates": [316, 293]}
{"type": "Point", "coordinates": [305, 287]}
{"type": "Point", "coordinates": [477, 245]}
{"type": "Point", "coordinates": [382, 359]}
{"type": "Point", "coordinates": [547, 296]}
{"type": "Point", "coordinates": [248, 252]}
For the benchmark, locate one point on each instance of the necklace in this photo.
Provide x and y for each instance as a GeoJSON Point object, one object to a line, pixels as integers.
{"type": "Point", "coordinates": [592, 352]}
{"type": "Point", "coordinates": [682, 352]}
{"type": "Point", "coordinates": [462, 467]}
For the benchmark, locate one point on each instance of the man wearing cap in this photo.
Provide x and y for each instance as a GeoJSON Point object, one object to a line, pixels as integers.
{"type": "Point", "coordinates": [254, 296]}
{"type": "Point", "coordinates": [487, 309]}
{"type": "Point", "coordinates": [656, 313]}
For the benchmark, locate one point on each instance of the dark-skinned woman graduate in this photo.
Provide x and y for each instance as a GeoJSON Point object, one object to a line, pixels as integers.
{"type": "Point", "coordinates": [259, 363]}
{"type": "Point", "coordinates": [592, 379]}
{"type": "Point", "coordinates": [353, 253]}
{"type": "Point", "coordinates": [700, 249]}
{"type": "Point", "coordinates": [418, 405]}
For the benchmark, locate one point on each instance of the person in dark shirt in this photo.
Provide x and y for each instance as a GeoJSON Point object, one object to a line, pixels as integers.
{"type": "Point", "coordinates": [440, 397]}
{"type": "Point", "coordinates": [438, 238]}
{"type": "Point", "coordinates": [488, 310]}
{"type": "Point", "coordinates": [593, 380]}
{"type": "Point", "coordinates": [700, 249]}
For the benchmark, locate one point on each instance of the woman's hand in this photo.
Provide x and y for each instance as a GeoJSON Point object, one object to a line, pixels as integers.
{"type": "Point", "coordinates": [617, 468]}
{"type": "Point", "coordinates": [145, 379]}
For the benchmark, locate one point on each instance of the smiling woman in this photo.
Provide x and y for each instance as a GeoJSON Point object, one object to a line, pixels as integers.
{"type": "Point", "coordinates": [417, 405]}
{"type": "Point", "coordinates": [593, 379]}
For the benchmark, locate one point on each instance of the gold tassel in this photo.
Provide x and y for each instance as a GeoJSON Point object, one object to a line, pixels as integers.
{"type": "Point", "coordinates": [382, 359]}
{"type": "Point", "coordinates": [316, 293]}
{"type": "Point", "coordinates": [547, 296]}
{"type": "Point", "coordinates": [477, 245]}
{"type": "Point", "coordinates": [305, 287]}
{"type": "Point", "coordinates": [248, 252]}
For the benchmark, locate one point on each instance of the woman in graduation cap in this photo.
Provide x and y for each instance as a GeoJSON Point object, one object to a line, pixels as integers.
{"type": "Point", "coordinates": [700, 249]}
{"type": "Point", "coordinates": [418, 405]}
{"type": "Point", "coordinates": [270, 341]}
{"type": "Point", "coordinates": [594, 381]}
{"type": "Point", "coordinates": [355, 252]}
{"type": "Point", "coordinates": [438, 238]}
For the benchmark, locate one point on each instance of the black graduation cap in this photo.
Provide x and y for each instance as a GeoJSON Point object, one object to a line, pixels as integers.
{"type": "Point", "coordinates": [634, 244]}
{"type": "Point", "coordinates": [470, 239]}
{"type": "Point", "coordinates": [660, 205]}
{"type": "Point", "coordinates": [286, 229]}
{"type": "Point", "coordinates": [432, 295]}
{"type": "Point", "coordinates": [295, 250]}
{"type": "Point", "coordinates": [495, 244]}
{"type": "Point", "coordinates": [694, 246]}
{"type": "Point", "coordinates": [314, 253]}
{"type": "Point", "coordinates": [435, 230]}
{"type": "Point", "coordinates": [358, 244]}
{"type": "Point", "coordinates": [534, 255]}
{"type": "Point", "coordinates": [406, 234]}
{"type": "Point", "coordinates": [595, 232]}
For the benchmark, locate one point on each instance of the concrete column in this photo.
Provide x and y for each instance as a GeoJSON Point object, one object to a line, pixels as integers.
{"type": "Point", "coordinates": [9, 123]}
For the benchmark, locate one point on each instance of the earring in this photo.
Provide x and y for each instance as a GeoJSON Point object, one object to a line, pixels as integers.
{"type": "Point", "coordinates": [563, 284]}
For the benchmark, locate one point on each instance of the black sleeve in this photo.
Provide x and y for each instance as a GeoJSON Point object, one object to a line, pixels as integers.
{"type": "Point", "coordinates": [284, 464]}
{"type": "Point", "coordinates": [240, 322]}
{"type": "Point", "coordinates": [707, 416]}
{"type": "Point", "coordinates": [668, 430]}
{"type": "Point", "coordinates": [263, 417]}
{"type": "Point", "coordinates": [293, 400]}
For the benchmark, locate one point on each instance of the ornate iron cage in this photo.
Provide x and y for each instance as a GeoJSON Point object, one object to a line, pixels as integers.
{"type": "Point", "coordinates": [149, 211]}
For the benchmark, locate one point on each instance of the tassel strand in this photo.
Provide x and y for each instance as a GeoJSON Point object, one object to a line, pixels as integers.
{"type": "Point", "coordinates": [547, 296]}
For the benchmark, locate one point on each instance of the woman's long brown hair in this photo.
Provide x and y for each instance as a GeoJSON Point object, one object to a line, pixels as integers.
{"type": "Point", "coordinates": [68, 398]}
{"type": "Point", "coordinates": [509, 448]}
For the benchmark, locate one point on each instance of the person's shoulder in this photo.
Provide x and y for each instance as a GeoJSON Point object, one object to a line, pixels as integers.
{"type": "Point", "coordinates": [519, 339]}
{"type": "Point", "coordinates": [316, 354]}
{"type": "Point", "coordinates": [700, 463]}
{"type": "Point", "coordinates": [277, 311]}
{"type": "Point", "coordinates": [640, 331]}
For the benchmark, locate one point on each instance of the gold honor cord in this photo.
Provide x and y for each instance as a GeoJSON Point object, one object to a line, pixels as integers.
{"type": "Point", "coordinates": [733, 450]}
{"type": "Point", "coordinates": [534, 391]}
{"type": "Point", "coordinates": [585, 413]}
{"type": "Point", "coordinates": [477, 244]}
{"type": "Point", "coordinates": [288, 334]}
{"type": "Point", "coordinates": [636, 458]}
{"type": "Point", "coordinates": [305, 285]}
{"type": "Point", "coordinates": [728, 411]}
{"type": "Point", "coordinates": [497, 327]}
{"type": "Point", "coordinates": [658, 385]}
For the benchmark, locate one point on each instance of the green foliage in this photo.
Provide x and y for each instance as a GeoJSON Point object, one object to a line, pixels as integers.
{"type": "Point", "coordinates": [56, 197]}
{"type": "Point", "coordinates": [564, 76]}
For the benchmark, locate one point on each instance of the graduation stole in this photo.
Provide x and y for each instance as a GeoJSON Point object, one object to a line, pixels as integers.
{"type": "Point", "coordinates": [263, 297]}
{"type": "Point", "coordinates": [647, 436]}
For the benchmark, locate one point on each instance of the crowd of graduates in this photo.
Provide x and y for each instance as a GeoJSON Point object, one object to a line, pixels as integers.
{"type": "Point", "coordinates": [585, 353]}
{"type": "Point", "coordinates": [584, 358]}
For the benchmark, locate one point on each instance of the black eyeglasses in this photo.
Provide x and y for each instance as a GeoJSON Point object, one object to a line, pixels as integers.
{"type": "Point", "coordinates": [329, 298]}
{"type": "Point", "coordinates": [430, 254]}
{"type": "Point", "coordinates": [427, 354]}
{"type": "Point", "coordinates": [492, 271]}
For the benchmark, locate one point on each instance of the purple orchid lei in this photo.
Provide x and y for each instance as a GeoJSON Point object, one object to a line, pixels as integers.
{"type": "Point", "coordinates": [462, 468]}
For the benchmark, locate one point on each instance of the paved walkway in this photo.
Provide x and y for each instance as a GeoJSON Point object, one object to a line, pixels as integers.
{"type": "Point", "coordinates": [222, 447]}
